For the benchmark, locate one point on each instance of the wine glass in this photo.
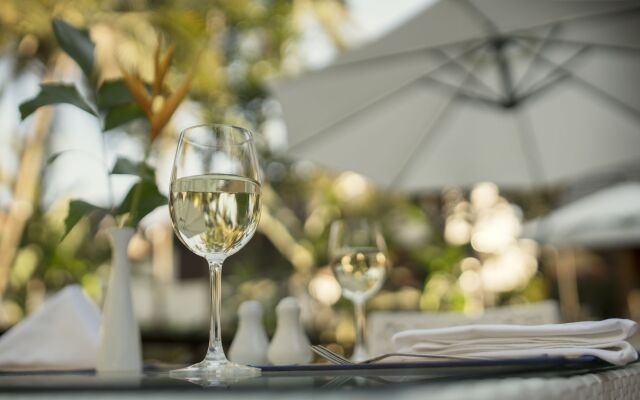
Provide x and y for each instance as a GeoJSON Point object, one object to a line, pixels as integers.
{"type": "Point", "coordinates": [215, 208]}
{"type": "Point", "coordinates": [359, 261]}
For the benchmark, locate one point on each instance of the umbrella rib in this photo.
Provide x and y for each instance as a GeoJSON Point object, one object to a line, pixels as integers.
{"type": "Point", "coordinates": [578, 43]}
{"type": "Point", "coordinates": [465, 70]}
{"type": "Point", "coordinates": [560, 71]}
{"type": "Point", "coordinates": [529, 71]}
{"type": "Point", "coordinates": [604, 95]}
{"type": "Point", "coordinates": [527, 141]}
{"type": "Point", "coordinates": [385, 96]}
{"type": "Point", "coordinates": [605, 14]}
{"type": "Point", "coordinates": [461, 92]}
{"type": "Point", "coordinates": [403, 53]}
{"type": "Point", "coordinates": [428, 133]}
{"type": "Point", "coordinates": [488, 23]}
{"type": "Point", "coordinates": [543, 86]}
{"type": "Point", "coordinates": [430, 127]}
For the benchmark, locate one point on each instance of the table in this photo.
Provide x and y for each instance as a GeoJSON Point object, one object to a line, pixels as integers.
{"type": "Point", "coordinates": [606, 383]}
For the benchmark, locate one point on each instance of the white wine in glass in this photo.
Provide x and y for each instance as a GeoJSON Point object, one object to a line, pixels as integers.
{"type": "Point", "coordinates": [215, 213]}
{"type": "Point", "coordinates": [359, 261]}
{"type": "Point", "coordinates": [360, 271]}
{"type": "Point", "coordinates": [215, 208]}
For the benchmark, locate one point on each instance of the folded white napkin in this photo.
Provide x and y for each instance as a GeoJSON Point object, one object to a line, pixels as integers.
{"type": "Point", "coordinates": [63, 333]}
{"type": "Point", "coordinates": [603, 339]}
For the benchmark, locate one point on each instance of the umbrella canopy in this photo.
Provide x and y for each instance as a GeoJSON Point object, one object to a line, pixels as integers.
{"type": "Point", "coordinates": [607, 218]}
{"type": "Point", "coordinates": [514, 92]}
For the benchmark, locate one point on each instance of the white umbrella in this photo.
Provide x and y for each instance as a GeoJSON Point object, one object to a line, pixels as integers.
{"type": "Point", "coordinates": [607, 218]}
{"type": "Point", "coordinates": [516, 92]}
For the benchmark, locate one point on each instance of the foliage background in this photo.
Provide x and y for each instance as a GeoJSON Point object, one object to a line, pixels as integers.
{"type": "Point", "coordinates": [244, 44]}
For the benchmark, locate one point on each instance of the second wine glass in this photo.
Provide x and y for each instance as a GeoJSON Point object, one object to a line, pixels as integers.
{"type": "Point", "coordinates": [359, 261]}
{"type": "Point", "coordinates": [215, 208]}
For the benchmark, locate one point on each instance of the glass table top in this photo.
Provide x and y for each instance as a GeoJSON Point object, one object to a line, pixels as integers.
{"type": "Point", "coordinates": [303, 377]}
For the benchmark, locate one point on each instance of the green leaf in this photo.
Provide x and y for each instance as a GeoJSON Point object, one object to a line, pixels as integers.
{"type": "Point", "coordinates": [121, 114]}
{"type": "Point", "coordinates": [125, 166]}
{"type": "Point", "coordinates": [76, 43]}
{"type": "Point", "coordinates": [149, 199]}
{"type": "Point", "coordinates": [115, 92]}
{"type": "Point", "coordinates": [112, 93]}
{"type": "Point", "coordinates": [54, 157]}
{"type": "Point", "coordinates": [54, 93]}
{"type": "Point", "coordinates": [77, 210]}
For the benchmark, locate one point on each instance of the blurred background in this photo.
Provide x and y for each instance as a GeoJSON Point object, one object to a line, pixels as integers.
{"type": "Point", "coordinates": [462, 249]}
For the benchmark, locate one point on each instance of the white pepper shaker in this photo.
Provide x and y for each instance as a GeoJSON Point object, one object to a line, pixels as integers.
{"type": "Point", "coordinates": [290, 344]}
{"type": "Point", "coordinates": [250, 344]}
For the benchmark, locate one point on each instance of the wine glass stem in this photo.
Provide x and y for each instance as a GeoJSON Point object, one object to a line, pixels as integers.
{"type": "Point", "coordinates": [359, 346]}
{"type": "Point", "coordinates": [215, 351]}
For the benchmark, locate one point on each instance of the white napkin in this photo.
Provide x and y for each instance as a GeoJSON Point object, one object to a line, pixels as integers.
{"type": "Point", "coordinates": [603, 339]}
{"type": "Point", "coordinates": [63, 333]}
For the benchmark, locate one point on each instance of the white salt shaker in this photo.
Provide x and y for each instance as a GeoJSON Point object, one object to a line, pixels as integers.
{"type": "Point", "coordinates": [290, 344]}
{"type": "Point", "coordinates": [250, 344]}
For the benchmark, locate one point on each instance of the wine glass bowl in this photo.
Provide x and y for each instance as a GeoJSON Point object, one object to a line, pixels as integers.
{"type": "Point", "coordinates": [215, 214]}
{"type": "Point", "coordinates": [359, 261]}
{"type": "Point", "coordinates": [360, 272]}
{"type": "Point", "coordinates": [214, 203]}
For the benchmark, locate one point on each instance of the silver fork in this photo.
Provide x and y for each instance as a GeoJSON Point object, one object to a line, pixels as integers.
{"type": "Point", "coordinates": [330, 355]}
{"type": "Point", "coordinates": [338, 359]}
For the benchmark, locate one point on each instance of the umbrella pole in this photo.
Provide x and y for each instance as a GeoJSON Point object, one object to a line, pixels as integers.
{"type": "Point", "coordinates": [566, 273]}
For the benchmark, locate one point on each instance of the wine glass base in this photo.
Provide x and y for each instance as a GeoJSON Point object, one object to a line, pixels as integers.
{"type": "Point", "coordinates": [215, 372]}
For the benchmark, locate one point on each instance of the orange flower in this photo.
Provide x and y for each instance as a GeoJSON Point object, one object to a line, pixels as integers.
{"type": "Point", "coordinates": [159, 118]}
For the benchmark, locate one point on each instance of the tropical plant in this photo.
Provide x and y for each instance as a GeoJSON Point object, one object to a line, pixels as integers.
{"type": "Point", "coordinates": [115, 102]}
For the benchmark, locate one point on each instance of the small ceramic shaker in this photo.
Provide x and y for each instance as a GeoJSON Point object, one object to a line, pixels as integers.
{"type": "Point", "coordinates": [290, 344]}
{"type": "Point", "coordinates": [250, 344]}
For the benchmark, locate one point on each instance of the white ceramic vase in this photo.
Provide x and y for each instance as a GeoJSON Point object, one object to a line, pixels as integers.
{"type": "Point", "coordinates": [120, 348]}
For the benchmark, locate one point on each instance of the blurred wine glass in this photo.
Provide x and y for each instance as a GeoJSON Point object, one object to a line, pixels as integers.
{"type": "Point", "coordinates": [359, 261]}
